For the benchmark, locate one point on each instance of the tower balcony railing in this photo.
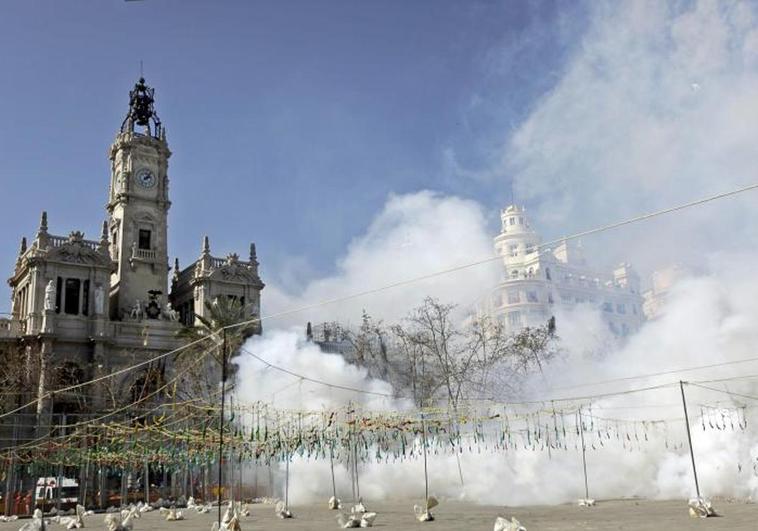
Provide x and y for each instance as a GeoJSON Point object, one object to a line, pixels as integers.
{"type": "Point", "coordinates": [147, 255]}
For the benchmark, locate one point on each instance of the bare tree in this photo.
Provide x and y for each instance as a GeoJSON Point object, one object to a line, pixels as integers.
{"type": "Point", "coordinates": [533, 347]}
{"type": "Point", "coordinates": [492, 372]}
{"type": "Point", "coordinates": [435, 358]}
{"type": "Point", "coordinates": [410, 367]}
{"type": "Point", "coordinates": [369, 345]}
{"type": "Point", "coordinates": [445, 346]}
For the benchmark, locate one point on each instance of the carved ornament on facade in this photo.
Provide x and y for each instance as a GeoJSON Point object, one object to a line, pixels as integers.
{"type": "Point", "coordinates": [78, 251]}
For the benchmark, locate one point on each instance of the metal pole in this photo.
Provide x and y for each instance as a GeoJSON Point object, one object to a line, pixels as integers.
{"type": "Point", "coordinates": [60, 466]}
{"type": "Point", "coordinates": [147, 481]}
{"type": "Point", "coordinates": [9, 480]}
{"type": "Point", "coordinates": [221, 422]}
{"type": "Point", "coordinates": [689, 438]}
{"type": "Point", "coordinates": [85, 482]}
{"type": "Point", "coordinates": [239, 481]}
{"type": "Point", "coordinates": [351, 454]}
{"type": "Point", "coordinates": [584, 456]}
{"type": "Point", "coordinates": [355, 463]}
{"type": "Point", "coordinates": [426, 472]}
{"type": "Point", "coordinates": [287, 483]}
{"type": "Point", "coordinates": [331, 464]}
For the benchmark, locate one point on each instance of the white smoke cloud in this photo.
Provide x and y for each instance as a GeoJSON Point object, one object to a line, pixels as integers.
{"type": "Point", "coordinates": [702, 326]}
{"type": "Point", "coordinates": [289, 349]}
{"type": "Point", "coordinates": [414, 235]}
{"type": "Point", "coordinates": [659, 105]}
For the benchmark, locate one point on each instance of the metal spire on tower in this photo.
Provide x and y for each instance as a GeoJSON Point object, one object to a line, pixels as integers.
{"type": "Point", "coordinates": [142, 110]}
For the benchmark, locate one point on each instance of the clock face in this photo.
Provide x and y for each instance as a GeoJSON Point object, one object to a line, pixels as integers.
{"type": "Point", "coordinates": [145, 178]}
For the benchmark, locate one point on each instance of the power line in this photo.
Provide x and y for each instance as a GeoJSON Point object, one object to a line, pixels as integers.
{"type": "Point", "coordinates": [540, 401]}
{"type": "Point", "coordinates": [482, 261]}
{"type": "Point", "coordinates": [650, 215]}
{"type": "Point", "coordinates": [313, 380]}
{"type": "Point", "coordinates": [730, 393]}
{"type": "Point", "coordinates": [106, 376]}
{"type": "Point", "coordinates": [654, 374]}
{"type": "Point", "coordinates": [388, 287]}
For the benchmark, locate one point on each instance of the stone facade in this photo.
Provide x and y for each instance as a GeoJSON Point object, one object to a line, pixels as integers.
{"type": "Point", "coordinates": [657, 296]}
{"type": "Point", "coordinates": [95, 306]}
{"type": "Point", "coordinates": [210, 277]}
{"type": "Point", "coordinates": [537, 280]}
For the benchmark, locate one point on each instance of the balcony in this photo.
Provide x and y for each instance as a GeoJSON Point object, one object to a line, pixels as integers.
{"type": "Point", "coordinates": [143, 255]}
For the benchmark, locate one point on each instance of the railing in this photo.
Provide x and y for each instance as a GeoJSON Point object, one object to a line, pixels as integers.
{"type": "Point", "coordinates": [58, 241]}
{"type": "Point", "coordinates": [144, 254]}
{"type": "Point", "coordinates": [217, 262]}
{"type": "Point", "coordinates": [220, 262]}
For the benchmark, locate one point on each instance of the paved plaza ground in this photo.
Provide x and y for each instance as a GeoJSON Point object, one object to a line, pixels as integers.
{"type": "Point", "coordinates": [637, 515]}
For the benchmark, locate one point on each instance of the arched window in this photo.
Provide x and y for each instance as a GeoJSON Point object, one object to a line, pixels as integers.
{"type": "Point", "coordinates": [547, 273]}
{"type": "Point", "coordinates": [514, 274]}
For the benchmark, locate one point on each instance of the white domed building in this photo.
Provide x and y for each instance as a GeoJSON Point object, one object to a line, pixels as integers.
{"type": "Point", "coordinates": [536, 281]}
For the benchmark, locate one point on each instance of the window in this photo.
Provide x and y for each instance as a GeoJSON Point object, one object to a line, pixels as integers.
{"type": "Point", "coordinates": [514, 250]}
{"type": "Point", "coordinates": [634, 309]}
{"type": "Point", "coordinates": [512, 221]}
{"type": "Point", "coordinates": [58, 295]}
{"type": "Point", "coordinates": [514, 274]}
{"type": "Point", "coordinates": [71, 296]}
{"type": "Point", "coordinates": [514, 318]}
{"type": "Point", "coordinates": [144, 239]}
{"type": "Point", "coordinates": [85, 298]}
{"type": "Point", "coordinates": [513, 297]}
{"type": "Point", "coordinates": [620, 308]}
{"type": "Point", "coordinates": [550, 298]}
{"type": "Point", "coordinates": [608, 307]}
{"type": "Point", "coordinates": [531, 296]}
{"type": "Point", "coordinates": [566, 299]}
{"type": "Point", "coordinates": [547, 273]}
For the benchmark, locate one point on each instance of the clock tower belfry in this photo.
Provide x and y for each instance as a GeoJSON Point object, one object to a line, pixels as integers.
{"type": "Point", "coordinates": [138, 206]}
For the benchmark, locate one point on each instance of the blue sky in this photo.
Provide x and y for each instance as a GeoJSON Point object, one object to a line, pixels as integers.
{"type": "Point", "coordinates": [314, 129]}
{"type": "Point", "coordinates": [290, 122]}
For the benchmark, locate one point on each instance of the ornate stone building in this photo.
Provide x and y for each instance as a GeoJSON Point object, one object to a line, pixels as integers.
{"type": "Point", "coordinates": [536, 281]}
{"type": "Point", "coordinates": [82, 307]}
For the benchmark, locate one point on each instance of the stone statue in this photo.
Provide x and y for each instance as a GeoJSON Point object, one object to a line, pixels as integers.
{"type": "Point", "coordinates": [137, 312]}
{"type": "Point", "coordinates": [50, 296]}
{"type": "Point", "coordinates": [171, 314]}
{"type": "Point", "coordinates": [99, 300]}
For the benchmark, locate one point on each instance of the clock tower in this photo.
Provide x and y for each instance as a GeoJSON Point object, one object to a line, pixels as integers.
{"type": "Point", "coordinates": [137, 210]}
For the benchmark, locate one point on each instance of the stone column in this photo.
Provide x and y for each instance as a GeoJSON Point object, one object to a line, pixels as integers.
{"type": "Point", "coordinates": [36, 287]}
